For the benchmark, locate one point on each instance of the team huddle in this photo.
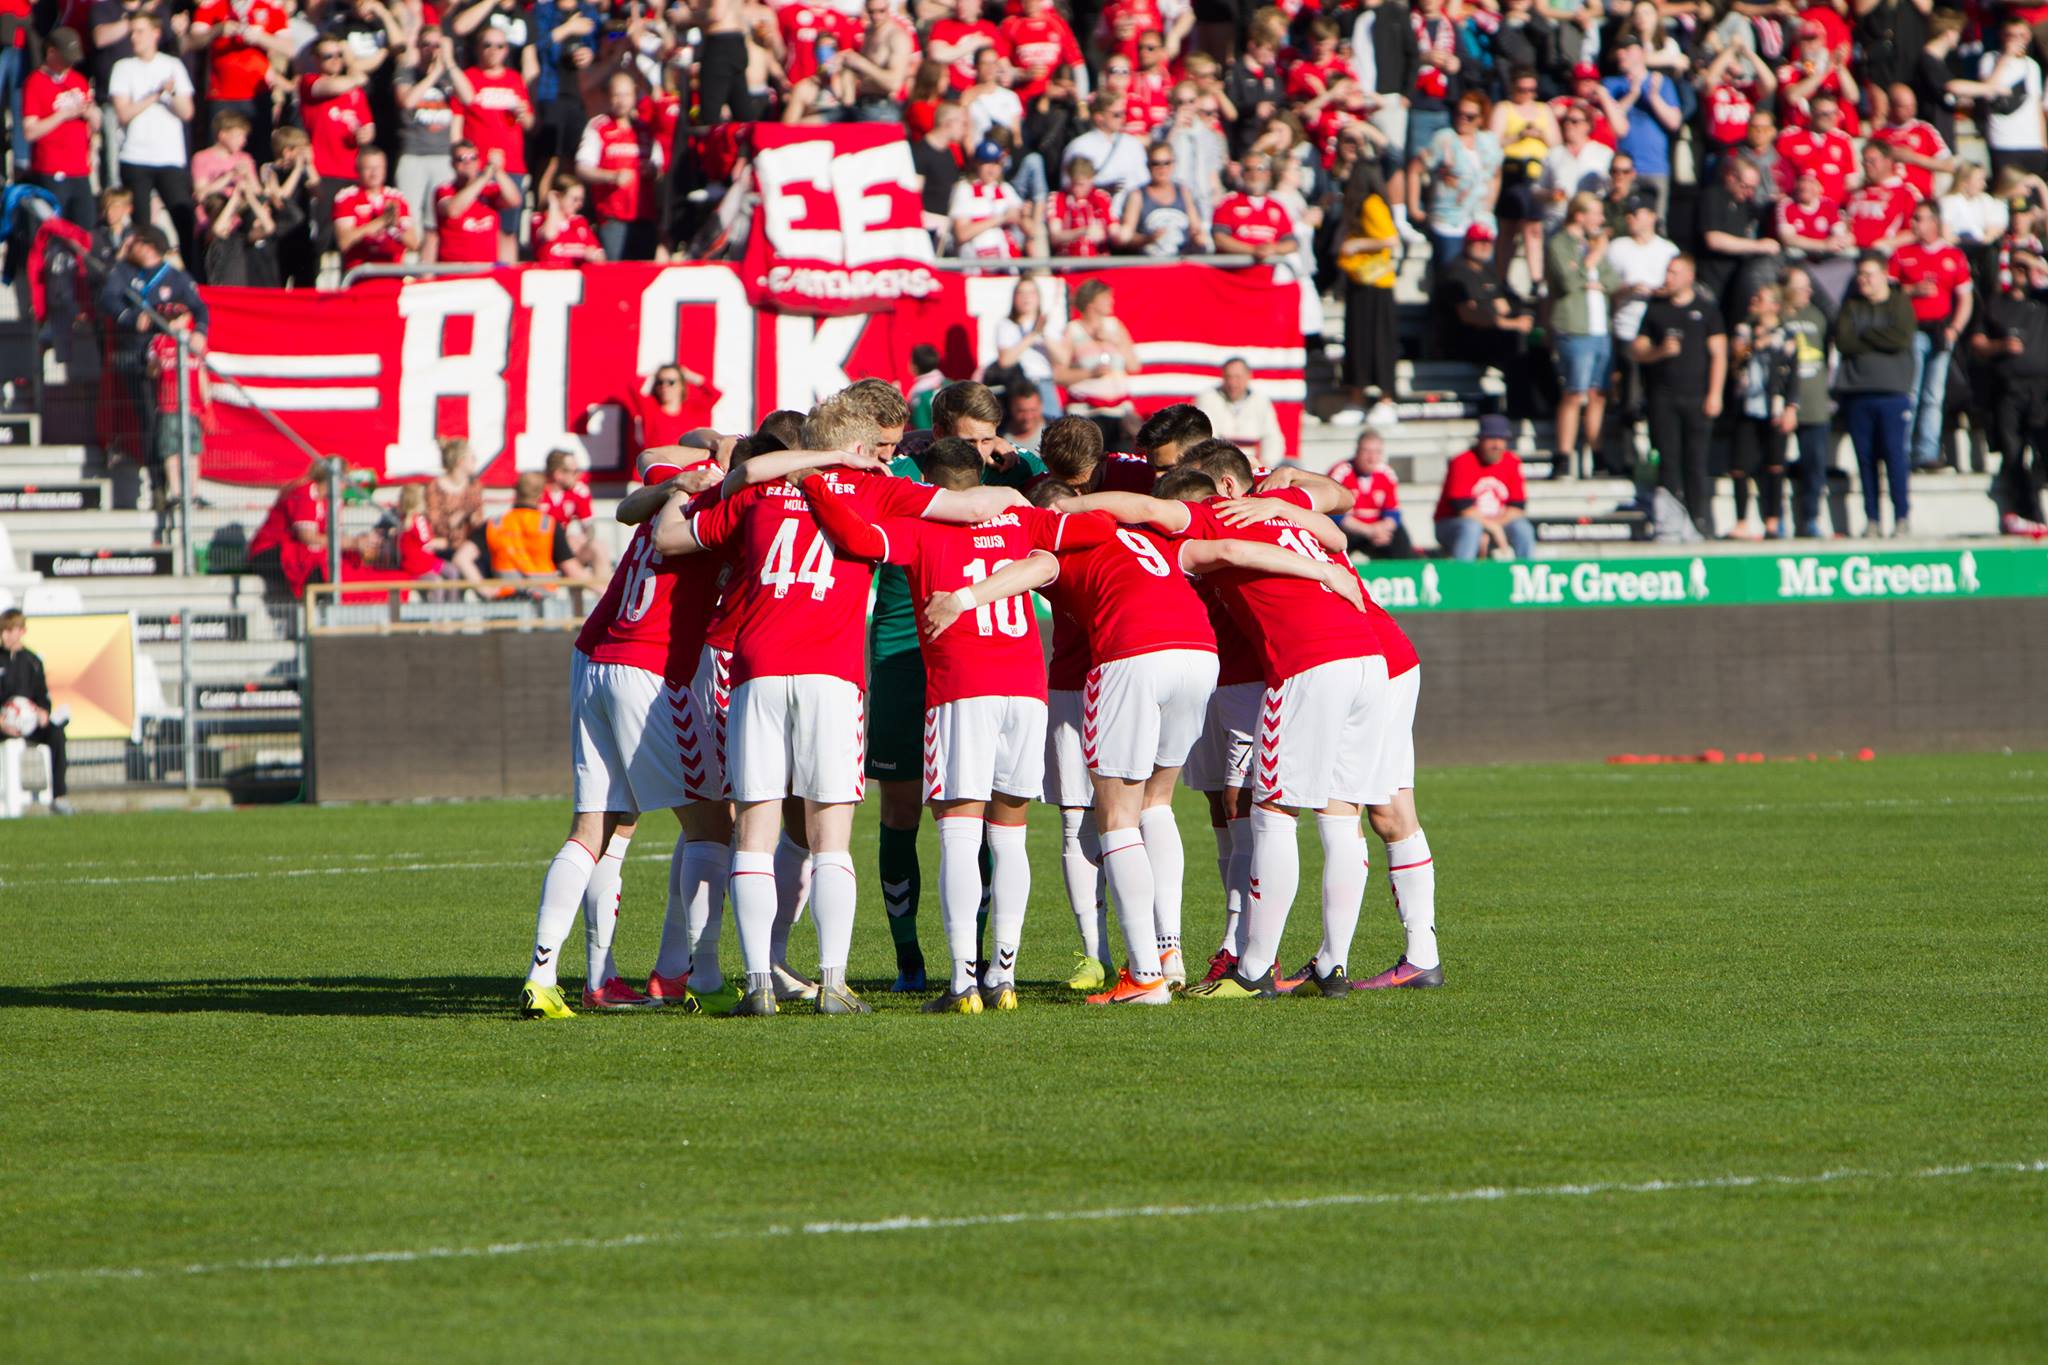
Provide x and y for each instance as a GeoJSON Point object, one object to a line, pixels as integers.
{"type": "Point", "coordinates": [1206, 628]}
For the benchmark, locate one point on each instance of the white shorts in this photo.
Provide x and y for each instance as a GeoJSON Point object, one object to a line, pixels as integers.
{"type": "Point", "coordinates": [1142, 713]}
{"type": "Point", "coordinates": [1396, 769]}
{"type": "Point", "coordinates": [1066, 768]}
{"type": "Point", "coordinates": [1222, 757]}
{"type": "Point", "coordinates": [1320, 732]}
{"type": "Point", "coordinates": [710, 699]}
{"type": "Point", "coordinates": [977, 746]}
{"type": "Point", "coordinates": [796, 736]}
{"type": "Point", "coordinates": [623, 735]}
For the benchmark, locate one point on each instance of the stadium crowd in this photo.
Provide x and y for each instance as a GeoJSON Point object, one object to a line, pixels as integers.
{"type": "Point", "coordinates": [1772, 146]}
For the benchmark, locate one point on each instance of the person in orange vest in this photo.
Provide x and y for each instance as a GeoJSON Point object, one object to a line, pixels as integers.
{"type": "Point", "coordinates": [526, 542]}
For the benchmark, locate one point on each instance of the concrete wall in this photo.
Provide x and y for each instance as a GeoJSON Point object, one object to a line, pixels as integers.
{"type": "Point", "coordinates": [404, 717]}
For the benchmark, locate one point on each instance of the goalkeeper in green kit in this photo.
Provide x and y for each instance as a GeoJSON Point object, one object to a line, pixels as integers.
{"type": "Point", "coordinates": [895, 698]}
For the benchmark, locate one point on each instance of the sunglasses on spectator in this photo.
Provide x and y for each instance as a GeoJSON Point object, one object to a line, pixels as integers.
{"type": "Point", "coordinates": [1576, 118]}
{"type": "Point", "coordinates": [1151, 47]}
{"type": "Point", "coordinates": [1162, 161]}
{"type": "Point", "coordinates": [1117, 71]}
{"type": "Point", "coordinates": [667, 383]}
{"type": "Point", "coordinates": [330, 56]}
{"type": "Point", "coordinates": [1468, 113]}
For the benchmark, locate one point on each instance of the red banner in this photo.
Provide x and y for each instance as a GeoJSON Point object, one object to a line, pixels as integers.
{"type": "Point", "coordinates": [525, 360]}
{"type": "Point", "coordinates": [840, 226]}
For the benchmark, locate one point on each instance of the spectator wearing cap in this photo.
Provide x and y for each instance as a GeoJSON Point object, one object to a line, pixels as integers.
{"type": "Point", "coordinates": [1651, 113]}
{"type": "Point", "coordinates": [1683, 349]}
{"type": "Point", "coordinates": [58, 119]}
{"type": "Point", "coordinates": [2011, 117]}
{"type": "Point", "coordinates": [1240, 414]}
{"type": "Point", "coordinates": [1483, 508]}
{"type": "Point", "coordinates": [989, 217]}
{"type": "Point", "coordinates": [1586, 89]}
{"type": "Point", "coordinates": [1118, 158]}
{"type": "Point", "coordinates": [1373, 526]}
{"type": "Point", "coordinates": [1461, 167]}
{"type": "Point", "coordinates": [1738, 252]}
{"type": "Point", "coordinates": [152, 95]}
{"type": "Point", "coordinates": [1478, 319]}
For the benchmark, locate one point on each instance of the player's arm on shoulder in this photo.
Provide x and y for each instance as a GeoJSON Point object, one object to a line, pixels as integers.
{"type": "Point", "coordinates": [1065, 531]}
{"type": "Point", "coordinates": [779, 465]}
{"type": "Point", "coordinates": [1034, 570]}
{"type": "Point", "coordinates": [1206, 556]}
{"type": "Point", "coordinates": [1258, 508]}
{"type": "Point", "coordinates": [966, 506]}
{"type": "Point", "coordinates": [1135, 509]}
{"type": "Point", "coordinates": [849, 530]}
{"type": "Point", "coordinates": [677, 528]}
{"type": "Point", "coordinates": [1325, 494]}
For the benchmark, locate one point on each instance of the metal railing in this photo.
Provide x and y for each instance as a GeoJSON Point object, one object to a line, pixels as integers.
{"type": "Point", "coordinates": [953, 264]}
{"type": "Point", "coordinates": [441, 606]}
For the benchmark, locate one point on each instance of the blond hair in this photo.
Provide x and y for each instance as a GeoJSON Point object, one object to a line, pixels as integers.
{"type": "Point", "coordinates": [453, 451]}
{"type": "Point", "coordinates": [840, 424]}
{"type": "Point", "coordinates": [412, 502]}
{"type": "Point", "coordinates": [881, 401]}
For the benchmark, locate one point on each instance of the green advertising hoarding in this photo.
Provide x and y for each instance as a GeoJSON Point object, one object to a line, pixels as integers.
{"type": "Point", "coordinates": [1706, 580]}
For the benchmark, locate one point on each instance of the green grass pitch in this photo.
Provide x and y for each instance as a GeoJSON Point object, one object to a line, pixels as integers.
{"type": "Point", "coordinates": [263, 1096]}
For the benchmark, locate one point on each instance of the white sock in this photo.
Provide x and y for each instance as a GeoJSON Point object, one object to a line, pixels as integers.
{"type": "Point", "coordinates": [1083, 876]}
{"type": "Point", "coordinates": [601, 910]}
{"type": "Point", "coordinates": [689, 937]}
{"type": "Point", "coordinates": [960, 891]}
{"type": "Point", "coordinates": [1230, 909]}
{"type": "Point", "coordinates": [1413, 877]}
{"type": "Point", "coordinates": [561, 896]}
{"type": "Point", "coordinates": [1344, 874]}
{"type": "Point", "coordinates": [1276, 874]}
{"type": "Point", "coordinates": [1169, 873]}
{"type": "Point", "coordinates": [1010, 885]}
{"type": "Point", "coordinates": [792, 889]}
{"type": "Point", "coordinates": [833, 888]}
{"type": "Point", "coordinates": [1091, 846]}
{"type": "Point", "coordinates": [1129, 872]}
{"type": "Point", "coordinates": [752, 889]}
{"type": "Point", "coordinates": [1240, 882]}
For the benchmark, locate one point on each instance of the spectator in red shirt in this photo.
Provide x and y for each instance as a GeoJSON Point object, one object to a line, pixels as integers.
{"type": "Point", "coordinates": [1078, 219]}
{"type": "Point", "coordinates": [1040, 44]}
{"type": "Point", "coordinates": [496, 109]}
{"type": "Point", "coordinates": [334, 105]}
{"type": "Point", "coordinates": [241, 38]}
{"type": "Point", "coordinates": [566, 502]}
{"type": "Point", "coordinates": [956, 39]}
{"type": "Point", "coordinates": [1820, 67]}
{"type": "Point", "coordinates": [677, 401]}
{"type": "Point", "coordinates": [1812, 225]}
{"type": "Point", "coordinates": [1935, 277]}
{"type": "Point", "coordinates": [562, 236]}
{"type": "Point", "coordinates": [1880, 212]}
{"type": "Point", "coordinates": [291, 544]}
{"type": "Point", "coordinates": [373, 225]}
{"type": "Point", "coordinates": [1373, 524]}
{"type": "Point", "coordinates": [468, 211]}
{"type": "Point", "coordinates": [1915, 145]}
{"type": "Point", "coordinates": [1820, 147]}
{"type": "Point", "coordinates": [58, 117]}
{"type": "Point", "coordinates": [1484, 503]}
{"type": "Point", "coordinates": [1736, 85]}
{"type": "Point", "coordinates": [617, 159]}
{"type": "Point", "coordinates": [1250, 223]}
{"type": "Point", "coordinates": [1587, 90]}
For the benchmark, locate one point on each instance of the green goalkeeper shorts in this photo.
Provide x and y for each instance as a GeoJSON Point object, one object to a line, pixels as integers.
{"type": "Point", "coordinates": [896, 717]}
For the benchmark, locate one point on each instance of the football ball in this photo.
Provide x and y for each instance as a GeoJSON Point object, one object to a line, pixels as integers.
{"type": "Point", "coordinates": [20, 715]}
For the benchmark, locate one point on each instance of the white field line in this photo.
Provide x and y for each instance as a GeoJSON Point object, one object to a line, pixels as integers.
{"type": "Point", "coordinates": [917, 1223]}
{"type": "Point", "coordinates": [364, 868]}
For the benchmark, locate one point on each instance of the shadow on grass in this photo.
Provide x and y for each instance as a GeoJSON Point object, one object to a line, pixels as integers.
{"type": "Point", "coordinates": [425, 997]}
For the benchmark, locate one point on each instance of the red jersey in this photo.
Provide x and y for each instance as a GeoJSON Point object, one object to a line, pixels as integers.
{"type": "Point", "coordinates": [492, 123]}
{"type": "Point", "coordinates": [1038, 46]}
{"type": "Point", "coordinates": [1255, 221]}
{"type": "Point", "coordinates": [1295, 623]}
{"type": "Point", "coordinates": [302, 503]}
{"type": "Point", "coordinates": [1306, 79]}
{"type": "Point", "coordinates": [1603, 131]}
{"type": "Point", "coordinates": [643, 621]}
{"type": "Point", "coordinates": [572, 246]}
{"type": "Point", "coordinates": [660, 114]}
{"type": "Point", "coordinates": [1816, 223]}
{"type": "Point", "coordinates": [67, 148]}
{"type": "Point", "coordinates": [1146, 106]}
{"type": "Point", "coordinates": [1492, 488]}
{"type": "Point", "coordinates": [611, 144]}
{"type": "Point", "coordinates": [1131, 597]}
{"type": "Point", "coordinates": [995, 651]}
{"type": "Point", "coordinates": [1373, 495]}
{"type": "Point", "coordinates": [332, 126]}
{"type": "Point", "coordinates": [1797, 113]}
{"type": "Point", "coordinates": [803, 25]}
{"type": "Point", "coordinates": [1914, 265]}
{"type": "Point", "coordinates": [163, 367]}
{"type": "Point", "coordinates": [1728, 111]}
{"type": "Point", "coordinates": [472, 234]}
{"type": "Point", "coordinates": [659, 428]}
{"type": "Point", "coordinates": [1918, 137]}
{"type": "Point", "coordinates": [567, 505]}
{"type": "Point", "coordinates": [952, 32]}
{"type": "Point", "coordinates": [415, 560]}
{"type": "Point", "coordinates": [236, 69]}
{"type": "Point", "coordinates": [794, 607]}
{"type": "Point", "coordinates": [358, 205]}
{"type": "Point", "coordinates": [1832, 158]}
{"type": "Point", "coordinates": [1068, 211]}
{"type": "Point", "coordinates": [1880, 211]}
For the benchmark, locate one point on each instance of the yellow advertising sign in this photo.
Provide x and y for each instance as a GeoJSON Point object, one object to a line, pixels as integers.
{"type": "Point", "coordinates": [90, 662]}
